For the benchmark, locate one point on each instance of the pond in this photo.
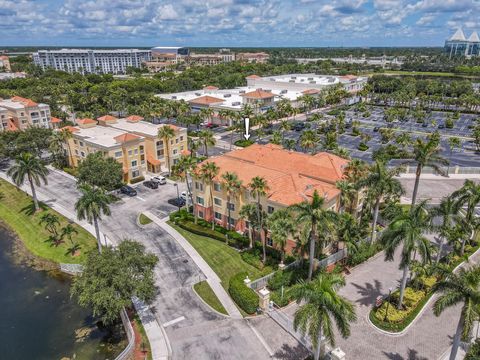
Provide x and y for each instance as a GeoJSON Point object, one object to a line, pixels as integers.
{"type": "Point", "coordinates": [38, 320]}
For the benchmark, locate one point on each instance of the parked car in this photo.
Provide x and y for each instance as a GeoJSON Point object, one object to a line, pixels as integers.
{"type": "Point", "coordinates": [128, 190]}
{"type": "Point", "coordinates": [376, 128]}
{"type": "Point", "coordinates": [299, 126]}
{"type": "Point", "coordinates": [211, 126]}
{"type": "Point", "coordinates": [183, 195]}
{"type": "Point", "coordinates": [441, 126]}
{"type": "Point", "coordinates": [151, 184]}
{"type": "Point", "coordinates": [424, 124]}
{"type": "Point", "coordinates": [160, 180]}
{"type": "Point", "coordinates": [177, 202]}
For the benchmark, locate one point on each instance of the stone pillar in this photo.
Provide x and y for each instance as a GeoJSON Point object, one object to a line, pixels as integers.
{"type": "Point", "coordinates": [264, 295]}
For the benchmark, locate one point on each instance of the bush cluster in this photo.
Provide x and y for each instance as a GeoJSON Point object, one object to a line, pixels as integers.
{"type": "Point", "coordinates": [137, 179]}
{"type": "Point", "coordinates": [243, 143]}
{"type": "Point", "coordinates": [245, 297]}
{"type": "Point", "coordinates": [410, 301]}
{"type": "Point", "coordinates": [364, 251]}
{"type": "Point", "coordinates": [362, 146]}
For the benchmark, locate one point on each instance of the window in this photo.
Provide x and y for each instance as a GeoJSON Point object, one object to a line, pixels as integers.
{"type": "Point", "coordinates": [134, 163]}
{"type": "Point", "coordinates": [175, 151]}
{"type": "Point", "coordinates": [81, 143]}
{"type": "Point", "coordinates": [270, 209]}
{"type": "Point", "coordinates": [135, 151]}
{"type": "Point", "coordinates": [218, 216]}
{"type": "Point", "coordinates": [129, 152]}
{"type": "Point", "coordinates": [200, 214]}
{"type": "Point", "coordinates": [135, 173]}
{"type": "Point", "coordinates": [231, 206]}
{"type": "Point", "coordinates": [269, 241]}
{"type": "Point", "coordinates": [176, 141]}
{"type": "Point", "coordinates": [181, 138]}
{"type": "Point", "coordinates": [82, 154]}
{"type": "Point", "coordinates": [198, 186]}
{"type": "Point", "coordinates": [159, 143]}
{"type": "Point", "coordinates": [217, 201]}
{"type": "Point", "coordinates": [118, 154]}
{"type": "Point", "coordinates": [76, 151]}
{"type": "Point", "coordinates": [217, 187]}
{"type": "Point", "coordinates": [232, 221]}
{"type": "Point", "coordinates": [200, 200]}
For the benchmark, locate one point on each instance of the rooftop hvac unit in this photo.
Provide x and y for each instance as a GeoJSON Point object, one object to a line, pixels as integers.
{"type": "Point", "coordinates": [198, 94]}
{"type": "Point", "coordinates": [236, 103]}
{"type": "Point", "coordinates": [302, 80]}
{"type": "Point", "coordinates": [310, 78]}
{"type": "Point", "coordinates": [312, 82]}
{"type": "Point", "coordinates": [241, 92]}
{"type": "Point", "coordinates": [292, 81]}
{"type": "Point", "coordinates": [331, 80]}
{"type": "Point", "coordinates": [174, 97]}
{"type": "Point", "coordinates": [283, 91]}
{"type": "Point", "coordinates": [227, 95]}
{"type": "Point", "coordinates": [272, 80]}
{"type": "Point", "coordinates": [293, 77]}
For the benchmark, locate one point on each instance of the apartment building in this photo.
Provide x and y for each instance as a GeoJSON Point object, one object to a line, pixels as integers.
{"type": "Point", "coordinates": [86, 61]}
{"type": "Point", "coordinates": [131, 141]}
{"type": "Point", "coordinates": [19, 113]}
{"type": "Point", "coordinates": [292, 177]}
{"type": "Point", "coordinates": [5, 63]}
{"type": "Point", "coordinates": [258, 57]}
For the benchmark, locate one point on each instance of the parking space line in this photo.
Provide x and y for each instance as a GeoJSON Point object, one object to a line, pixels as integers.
{"type": "Point", "coordinates": [140, 198]}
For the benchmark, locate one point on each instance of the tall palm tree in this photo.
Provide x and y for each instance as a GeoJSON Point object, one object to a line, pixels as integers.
{"type": "Point", "coordinates": [468, 196]}
{"type": "Point", "coordinates": [166, 133]}
{"type": "Point", "coordinates": [208, 172]}
{"type": "Point", "coordinates": [55, 146]}
{"type": "Point", "coordinates": [310, 215]}
{"type": "Point", "coordinates": [93, 203]}
{"type": "Point", "coordinates": [207, 139]}
{"type": "Point", "coordinates": [232, 185]}
{"type": "Point", "coordinates": [426, 153]}
{"type": "Point", "coordinates": [380, 182]}
{"type": "Point", "coordinates": [184, 167]}
{"type": "Point", "coordinates": [248, 212]}
{"type": "Point", "coordinates": [322, 306]}
{"type": "Point", "coordinates": [463, 287]}
{"type": "Point", "coordinates": [348, 192]}
{"type": "Point", "coordinates": [308, 140]}
{"type": "Point", "coordinates": [259, 187]}
{"type": "Point", "coordinates": [448, 211]}
{"type": "Point", "coordinates": [282, 226]}
{"type": "Point", "coordinates": [407, 228]}
{"type": "Point", "coordinates": [30, 167]}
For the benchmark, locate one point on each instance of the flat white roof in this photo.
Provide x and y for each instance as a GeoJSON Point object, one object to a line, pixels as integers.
{"type": "Point", "coordinates": [140, 127]}
{"type": "Point", "coordinates": [85, 51]}
{"type": "Point", "coordinates": [100, 135]}
{"type": "Point", "coordinates": [169, 47]}
{"type": "Point", "coordinates": [304, 79]}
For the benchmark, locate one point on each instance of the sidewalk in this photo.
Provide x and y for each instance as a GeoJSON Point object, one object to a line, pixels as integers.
{"type": "Point", "coordinates": [157, 337]}
{"type": "Point", "coordinates": [212, 278]}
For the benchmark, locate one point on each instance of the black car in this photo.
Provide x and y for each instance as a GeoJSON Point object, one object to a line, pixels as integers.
{"type": "Point", "coordinates": [299, 126]}
{"type": "Point", "coordinates": [128, 190]}
{"type": "Point", "coordinates": [151, 184]}
{"type": "Point", "coordinates": [179, 202]}
{"type": "Point", "coordinates": [424, 124]}
{"type": "Point", "coordinates": [441, 126]}
{"type": "Point", "coordinates": [376, 128]}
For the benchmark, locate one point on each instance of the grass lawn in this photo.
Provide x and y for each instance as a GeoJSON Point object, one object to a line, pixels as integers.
{"type": "Point", "coordinates": [144, 220]}
{"type": "Point", "coordinates": [16, 209]}
{"type": "Point", "coordinates": [223, 259]}
{"type": "Point", "coordinates": [206, 293]}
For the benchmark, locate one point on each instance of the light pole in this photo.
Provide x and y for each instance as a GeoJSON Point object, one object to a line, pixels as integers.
{"type": "Point", "coordinates": [388, 303]}
{"type": "Point", "coordinates": [178, 196]}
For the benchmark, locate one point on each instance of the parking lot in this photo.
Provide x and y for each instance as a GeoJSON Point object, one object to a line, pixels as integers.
{"type": "Point", "coordinates": [464, 156]}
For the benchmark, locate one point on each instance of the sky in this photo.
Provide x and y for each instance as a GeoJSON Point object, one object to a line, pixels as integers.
{"type": "Point", "coordinates": [234, 23]}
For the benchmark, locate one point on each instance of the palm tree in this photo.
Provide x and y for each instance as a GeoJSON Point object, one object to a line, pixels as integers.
{"type": "Point", "coordinates": [281, 226]}
{"type": "Point", "coordinates": [259, 187]}
{"type": "Point", "coordinates": [67, 135]}
{"type": "Point", "coordinates": [91, 205]}
{"type": "Point", "coordinates": [463, 287]}
{"type": "Point", "coordinates": [207, 139]}
{"type": "Point", "coordinates": [407, 228]}
{"type": "Point", "coordinates": [380, 182]}
{"type": "Point", "coordinates": [311, 215]}
{"type": "Point", "coordinates": [184, 167]}
{"type": "Point", "coordinates": [448, 211]}
{"type": "Point", "coordinates": [208, 171]}
{"type": "Point", "coordinates": [248, 212]}
{"type": "Point", "coordinates": [348, 192]}
{"type": "Point", "coordinates": [426, 153]}
{"type": "Point", "coordinates": [322, 307]}
{"type": "Point", "coordinates": [166, 132]}
{"type": "Point", "coordinates": [468, 196]}
{"type": "Point", "coordinates": [308, 140]}
{"type": "Point", "coordinates": [55, 146]}
{"type": "Point", "coordinates": [232, 185]}
{"type": "Point", "coordinates": [28, 166]}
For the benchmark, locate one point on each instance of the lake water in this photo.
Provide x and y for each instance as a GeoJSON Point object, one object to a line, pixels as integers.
{"type": "Point", "coordinates": [38, 320]}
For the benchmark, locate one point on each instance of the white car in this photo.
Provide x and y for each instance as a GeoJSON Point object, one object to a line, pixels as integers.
{"type": "Point", "coordinates": [160, 180]}
{"type": "Point", "coordinates": [183, 195]}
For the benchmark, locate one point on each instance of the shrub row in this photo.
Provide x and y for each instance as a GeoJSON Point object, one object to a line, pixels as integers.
{"type": "Point", "coordinates": [364, 251]}
{"type": "Point", "coordinates": [242, 294]}
{"type": "Point", "coordinates": [137, 179]}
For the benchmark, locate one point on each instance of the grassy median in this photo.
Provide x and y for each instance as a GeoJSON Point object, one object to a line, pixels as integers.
{"type": "Point", "coordinates": [16, 211]}
{"type": "Point", "coordinates": [206, 293]}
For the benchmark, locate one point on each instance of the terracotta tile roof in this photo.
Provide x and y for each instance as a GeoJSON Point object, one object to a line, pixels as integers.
{"type": "Point", "coordinates": [86, 121]}
{"type": "Point", "coordinates": [206, 100]}
{"type": "Point", "coordinates": [153, 161]}
{"type": "Point", "coordinates": [291, 176]}
{"type": "Point", "coordinates": [210, 87]}
{"type": "Point", "coordinates": [259, 94]}
{"type": "Point", "coordinates": [72, 129]}
{"type": "Point", "coordinates": [253, 77]}
{"type": "Point", "coordinates": [11, 125]}
{"type": "Point", "coordinates": [348, 77]}
{"type": "Point", "coordinates": [107, 118]}
{"type": "Point", "coordinates": [55, 120]}
{"type": "Point", "coordinates": [126, 138]}
{"type": "Point", "coordinates": [134, 118]}
{"type": "Point", "coordinates": [24, 101]}
{"type": "Point", "coordinates": [310, 91]}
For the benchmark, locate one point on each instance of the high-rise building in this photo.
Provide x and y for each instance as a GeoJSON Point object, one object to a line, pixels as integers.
{"type": "Point", "coordinates": [86, 61]}
{"type": "Point", "coordinates": [459, 45]}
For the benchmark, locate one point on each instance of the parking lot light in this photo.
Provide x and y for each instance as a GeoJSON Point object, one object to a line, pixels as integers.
{"type": "Point", "coordinates": [178, 196]}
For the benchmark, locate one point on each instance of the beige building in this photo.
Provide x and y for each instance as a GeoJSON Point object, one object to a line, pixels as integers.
{"type": "Point", "coordinates": [19, 113]}
{"type": "Point", "coordinates": [5, 63]}
{"type": "Point", "coordinates": [259, 57]}
{"type": "Point", "coordinates": [131, 141]}
{"type": "Point", "coordinates": [292, 177]}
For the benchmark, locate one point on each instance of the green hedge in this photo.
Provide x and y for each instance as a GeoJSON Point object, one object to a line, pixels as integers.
{"type": "Point", "coordinates": [364, 251]}
{"type": "Point", "coordinates": [243, 143]}
{"type": "Point", "coordinates": [245, 297]}
{"type": "Point", "coordinates": [363, 147]}
{"type": "Point", "coordinates": [137, 179]}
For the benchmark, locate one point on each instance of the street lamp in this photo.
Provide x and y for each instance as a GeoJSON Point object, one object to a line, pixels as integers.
{"type": "Point", "coordinates": [388, 303]}
{"type": "Point", "coordinates": [178, 196]}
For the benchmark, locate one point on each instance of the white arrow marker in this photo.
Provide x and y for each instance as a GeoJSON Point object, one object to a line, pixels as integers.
{"type": "Point", "coordinates": [247, 129]}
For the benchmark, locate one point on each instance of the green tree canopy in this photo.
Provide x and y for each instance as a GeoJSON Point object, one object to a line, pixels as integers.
{"type": "Point", "coordinates": [100, 171]}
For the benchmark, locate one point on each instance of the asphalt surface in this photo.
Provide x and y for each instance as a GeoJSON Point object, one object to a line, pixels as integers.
{"type": "Point", "coordinates": [202, 334]}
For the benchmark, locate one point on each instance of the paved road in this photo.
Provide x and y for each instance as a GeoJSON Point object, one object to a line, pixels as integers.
{"type": "Point", "coordinates": [202, 334]}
